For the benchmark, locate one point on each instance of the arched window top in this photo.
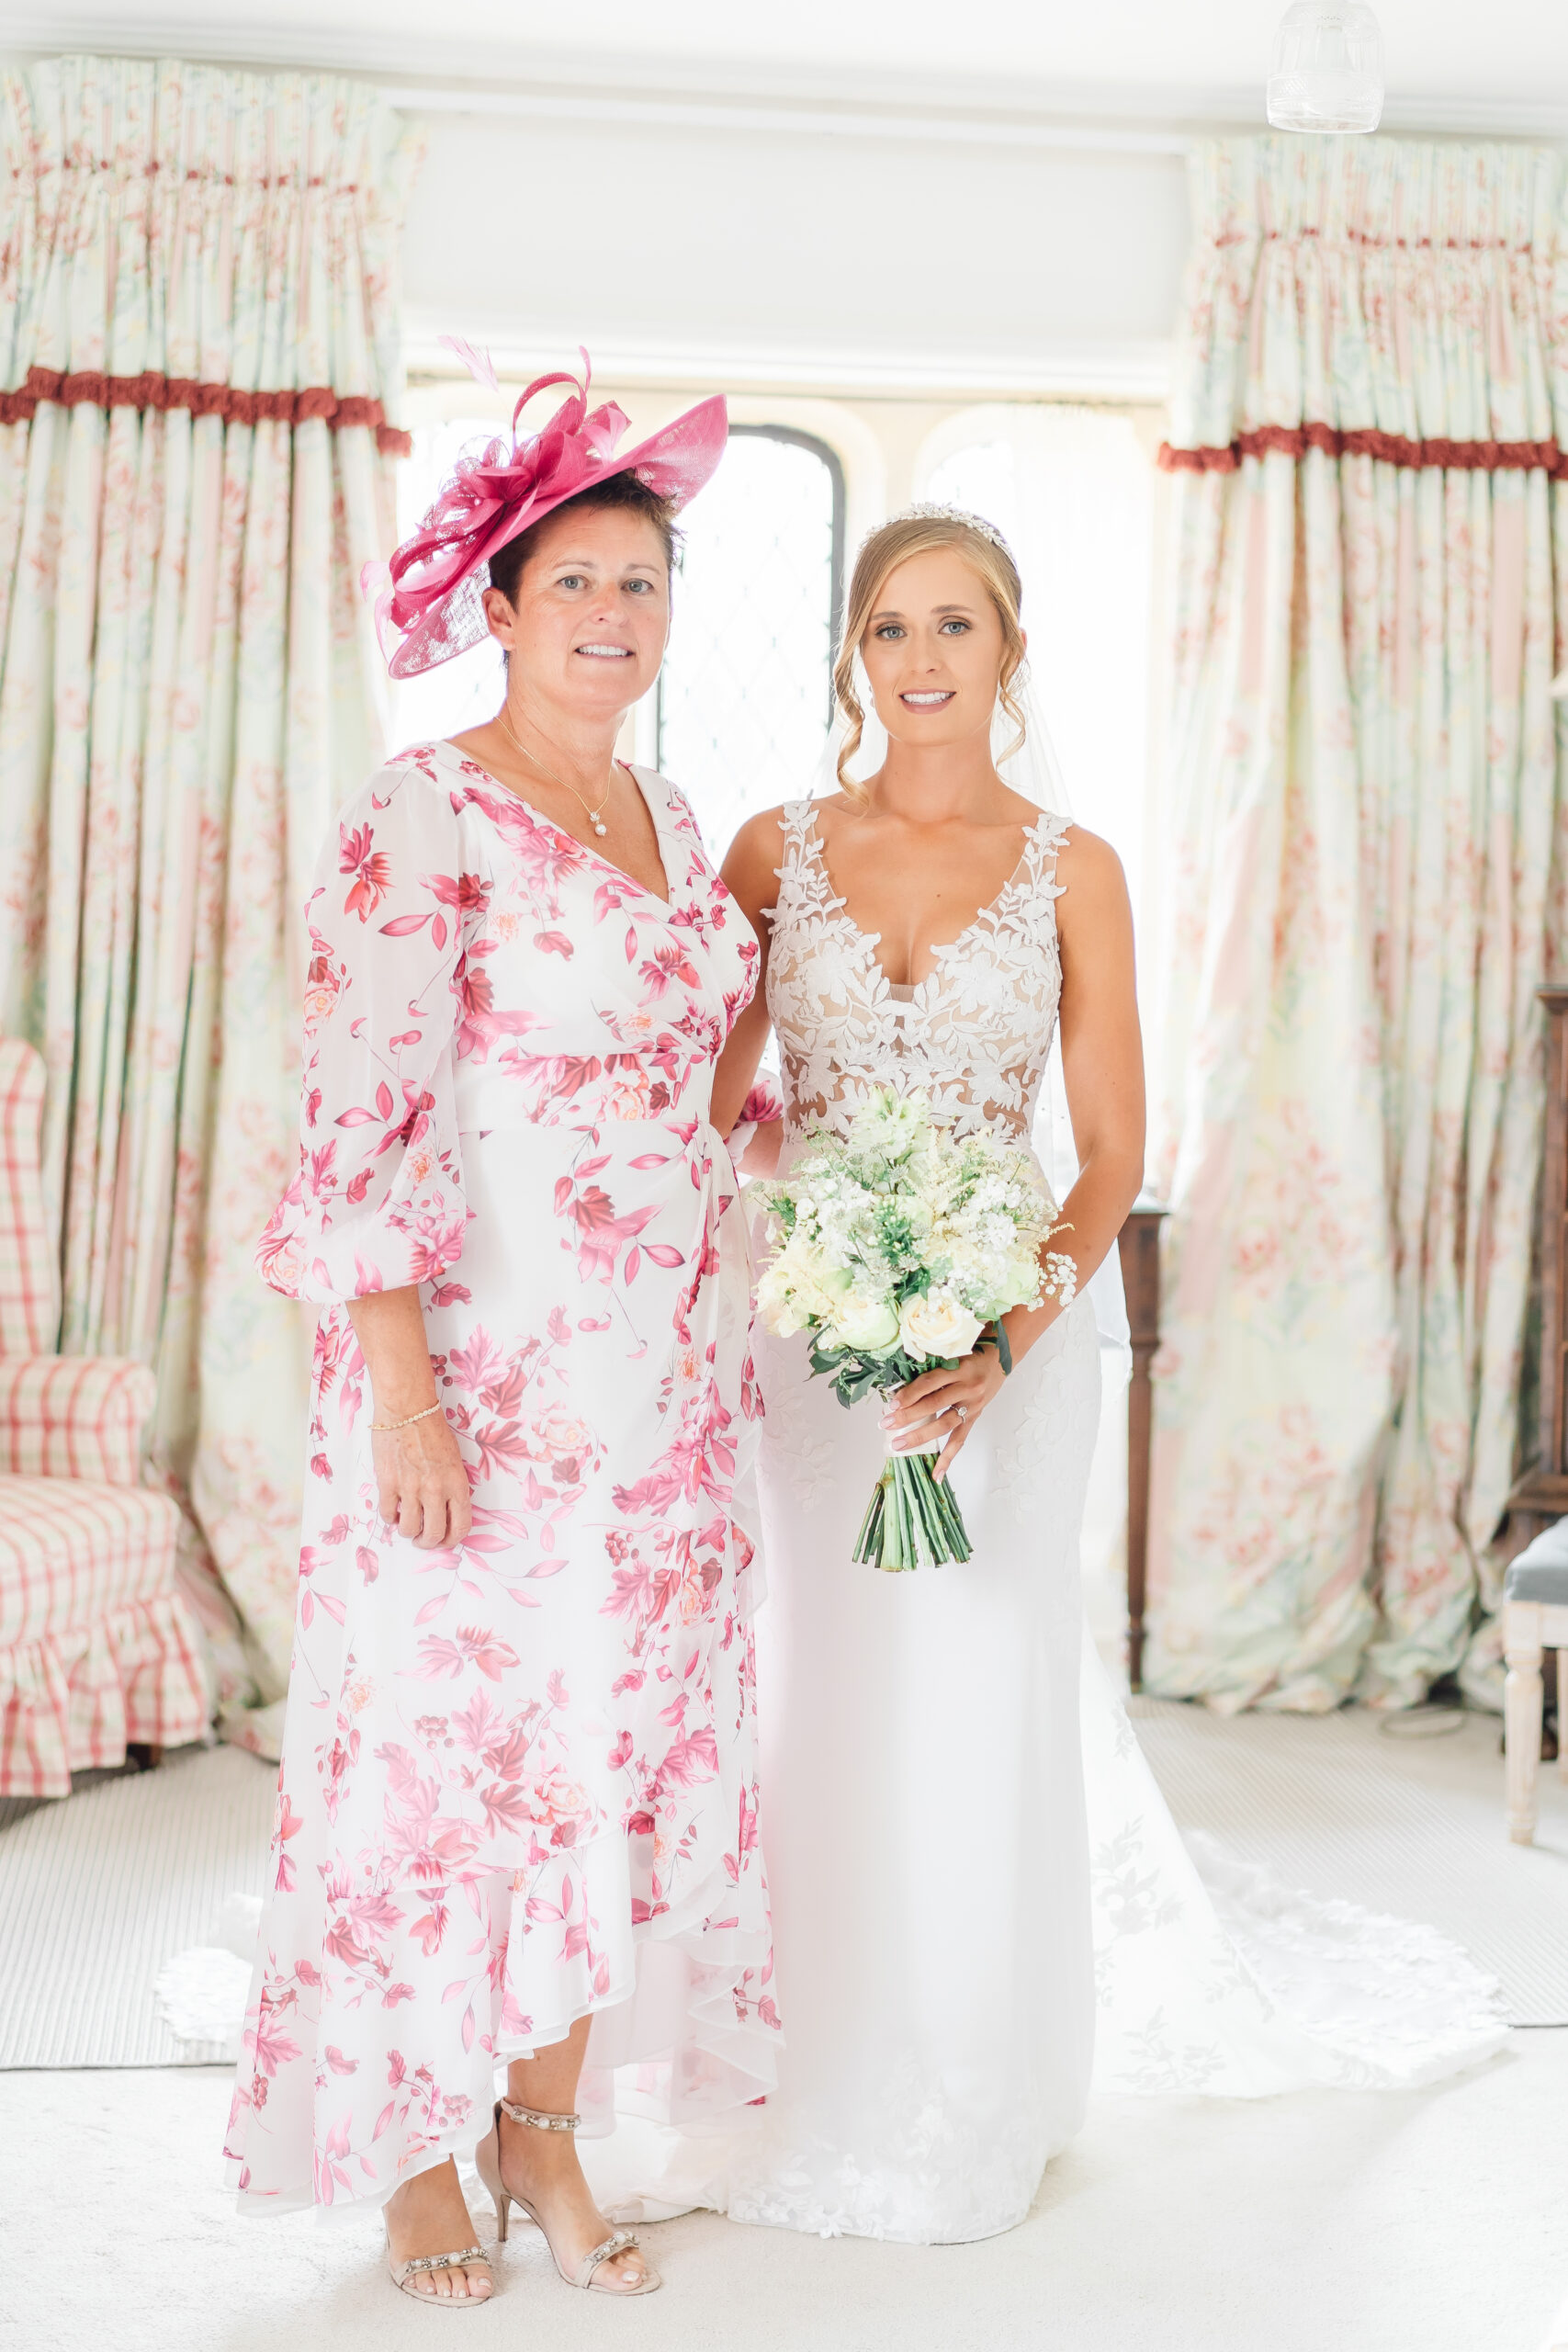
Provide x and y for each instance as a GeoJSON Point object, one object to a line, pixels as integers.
{"type": "Point", "coordinates": [745, 697]}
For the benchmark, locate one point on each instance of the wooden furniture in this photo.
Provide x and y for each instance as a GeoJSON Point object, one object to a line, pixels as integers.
{"type": "Point", "coordinates": [1139, 1243]}
{"type": "Point", "coordinates": [1540, 1497]}
{"type": "Point", "coordinates": [1535, 1617]}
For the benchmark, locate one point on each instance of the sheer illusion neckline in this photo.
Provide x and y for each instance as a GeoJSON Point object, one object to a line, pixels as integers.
{"type": "Point", "coordinates": [908, 991]}
{"type": "Point", "coordinates": [548, 825]}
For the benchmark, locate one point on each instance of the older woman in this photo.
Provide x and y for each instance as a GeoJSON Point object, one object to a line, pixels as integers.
{"type": "Point", "coordinates": [517, 1813]}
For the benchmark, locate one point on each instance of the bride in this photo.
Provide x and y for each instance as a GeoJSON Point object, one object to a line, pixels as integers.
{"type": "Point", "coordinates": [923, 1786]}
{"type": "Point", "coordinates": [950, 1905]}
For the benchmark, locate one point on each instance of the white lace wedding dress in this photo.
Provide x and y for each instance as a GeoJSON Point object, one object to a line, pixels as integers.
{"type": "Point", "coordinates": [980, 1899]}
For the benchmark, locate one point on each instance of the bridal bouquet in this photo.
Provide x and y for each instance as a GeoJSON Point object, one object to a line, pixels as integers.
{"type": "Point", "coordinates": [895, 1245]}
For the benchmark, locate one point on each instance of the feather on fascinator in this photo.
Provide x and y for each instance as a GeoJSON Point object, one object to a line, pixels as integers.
{"type": "Point", "coordinates": [429, 598]}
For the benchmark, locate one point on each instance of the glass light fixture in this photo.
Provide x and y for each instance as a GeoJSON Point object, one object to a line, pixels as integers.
{"type": "Point", "coordinates": [1327, 69]}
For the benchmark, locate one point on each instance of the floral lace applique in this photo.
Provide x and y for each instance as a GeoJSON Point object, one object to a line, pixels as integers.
{"type": "Point", "coordinates": [976, 1033]}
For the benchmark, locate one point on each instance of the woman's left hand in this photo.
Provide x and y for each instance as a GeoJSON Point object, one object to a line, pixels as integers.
{"type": "Point", "coordinates": [943, 1404]}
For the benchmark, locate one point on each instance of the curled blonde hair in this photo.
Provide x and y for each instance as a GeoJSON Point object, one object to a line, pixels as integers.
{"type": "Point", "coordinates": [917, 532]}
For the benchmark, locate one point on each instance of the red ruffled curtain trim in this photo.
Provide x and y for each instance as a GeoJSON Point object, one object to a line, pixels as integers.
{"type": "Point", "coordinates": [1392, 449]}
{"type": "Point", "coordinates": [153, 390]}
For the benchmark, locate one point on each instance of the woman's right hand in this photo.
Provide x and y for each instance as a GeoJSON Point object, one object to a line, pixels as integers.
{"type": "Point", "coordinates": [421, 1484]}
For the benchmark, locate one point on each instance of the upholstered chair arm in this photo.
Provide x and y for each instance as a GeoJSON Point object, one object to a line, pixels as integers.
{"type": "Point", "coordinates": [74, 1417]}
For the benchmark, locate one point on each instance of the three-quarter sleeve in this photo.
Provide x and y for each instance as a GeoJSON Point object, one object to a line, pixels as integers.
{"type": "Point", "coordinates": [378, 1202]}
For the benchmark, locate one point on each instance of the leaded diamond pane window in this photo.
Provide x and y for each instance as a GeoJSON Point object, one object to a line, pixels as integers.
{"type": "Point", "coordinates": [745, 695]}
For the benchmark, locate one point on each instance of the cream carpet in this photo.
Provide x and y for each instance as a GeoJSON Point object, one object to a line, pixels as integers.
{"type": "Point", "coordinates": [1333, 2221]}
{"type": "Point", "coordinates": [1367, 2221]}
{"type": "Point", "coordinates": [1387, 1818]}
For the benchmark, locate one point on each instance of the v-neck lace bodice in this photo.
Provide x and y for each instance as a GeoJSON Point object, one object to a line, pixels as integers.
{"type": "Point", "coordinates": [976, 1033]}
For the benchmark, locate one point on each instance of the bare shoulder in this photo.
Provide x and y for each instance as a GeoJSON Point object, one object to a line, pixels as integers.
{"type": "Point", "coordinates": [759, 837]}
{"type": "Point", "coordinates": [1088, 868]}
{"type": "Point", "coordinates": [753, 860]}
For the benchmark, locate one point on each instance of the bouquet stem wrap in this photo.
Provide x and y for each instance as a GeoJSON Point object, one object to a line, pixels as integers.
{"type": "Point", "coordinates": [895, 1245]}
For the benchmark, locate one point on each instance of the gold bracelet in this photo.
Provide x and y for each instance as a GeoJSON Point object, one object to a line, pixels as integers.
{"type": "Point", "coordinates": [381, 1428]}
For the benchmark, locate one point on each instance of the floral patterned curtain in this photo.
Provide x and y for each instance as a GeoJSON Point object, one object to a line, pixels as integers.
{"type": "Point", "coordinates": [197, 339]}
{"type": "Point", "coordinates": [1371, 584]}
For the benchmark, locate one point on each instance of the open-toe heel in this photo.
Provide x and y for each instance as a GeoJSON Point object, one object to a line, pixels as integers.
{"type": "Point", "coordinates": [487, 2164]}
{"type": "Point", "coordinates": [472, 2257]}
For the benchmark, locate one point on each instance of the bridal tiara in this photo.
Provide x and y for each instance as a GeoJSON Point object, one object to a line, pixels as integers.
{"type": "Point", "coordinates": [928, 510]}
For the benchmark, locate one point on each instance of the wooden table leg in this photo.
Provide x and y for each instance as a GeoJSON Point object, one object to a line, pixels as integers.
{"type": "Point", "coordinates": [1139, 1244]}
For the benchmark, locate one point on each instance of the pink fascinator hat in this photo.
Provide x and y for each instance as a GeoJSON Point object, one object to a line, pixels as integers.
{"type": "Point", "coordinates": [428, 599]}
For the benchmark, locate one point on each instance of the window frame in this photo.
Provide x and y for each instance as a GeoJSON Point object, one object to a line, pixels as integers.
{"type": "Point", "coordinates": [834, 464]}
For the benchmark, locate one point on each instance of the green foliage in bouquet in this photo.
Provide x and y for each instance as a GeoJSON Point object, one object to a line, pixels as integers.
{"type": "Point", "coordinates": [894, 1247]}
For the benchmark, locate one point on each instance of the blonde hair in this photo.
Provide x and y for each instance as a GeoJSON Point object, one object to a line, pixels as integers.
{"type": "Point", "coordinates": [917, 532]}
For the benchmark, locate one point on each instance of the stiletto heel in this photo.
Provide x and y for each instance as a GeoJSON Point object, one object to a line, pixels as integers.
{"type": "Point", "coordinates": [487, 2164]}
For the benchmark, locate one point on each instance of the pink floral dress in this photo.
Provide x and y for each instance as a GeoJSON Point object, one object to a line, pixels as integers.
{"type": "Point", "coordinates": [519, 1777]}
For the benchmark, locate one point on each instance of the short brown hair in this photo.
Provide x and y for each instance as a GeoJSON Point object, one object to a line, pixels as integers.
{"type": "Point", "coordinates": [884, 551]}
{"type": "Point", "coordinates": [627, 493]}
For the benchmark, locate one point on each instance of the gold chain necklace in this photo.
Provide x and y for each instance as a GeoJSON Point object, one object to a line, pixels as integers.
{"type": "Point", "coordinates": [595, 816]}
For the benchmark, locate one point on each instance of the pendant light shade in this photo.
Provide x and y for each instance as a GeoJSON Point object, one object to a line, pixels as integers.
{"type": "Point", "coordinates": [1328, 71]}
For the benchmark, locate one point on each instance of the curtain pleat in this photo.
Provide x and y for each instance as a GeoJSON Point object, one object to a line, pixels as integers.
{"type": "Point", "coordinates": [187, 686]}
{"type": "Point", "coordinates": [1367, 870]}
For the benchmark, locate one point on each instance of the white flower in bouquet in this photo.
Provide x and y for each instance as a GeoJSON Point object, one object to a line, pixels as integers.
{"type": "Point", "coordinates": [938, 1325]}
{"type": "Point", "coordinates": [866, 1325]}
{"type": "Point", "coordinates": [896, 1246]}
{"type": "Point", "coordinates": [890, 1127]}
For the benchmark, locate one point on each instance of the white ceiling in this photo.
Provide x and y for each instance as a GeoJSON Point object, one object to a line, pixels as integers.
{"type": "Point", "coordinates": [1451, 63]}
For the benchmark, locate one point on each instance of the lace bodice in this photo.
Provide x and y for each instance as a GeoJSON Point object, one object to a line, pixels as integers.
{"type": "Point", "coordinates": [976, 1033]}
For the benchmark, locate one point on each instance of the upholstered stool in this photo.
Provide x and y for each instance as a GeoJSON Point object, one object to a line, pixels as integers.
{"type": "Point", "coordinates": [1535, 1618]}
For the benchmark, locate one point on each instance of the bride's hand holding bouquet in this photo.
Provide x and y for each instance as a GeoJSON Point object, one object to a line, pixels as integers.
{"type": "Point", "coordinates": [899, 1247]}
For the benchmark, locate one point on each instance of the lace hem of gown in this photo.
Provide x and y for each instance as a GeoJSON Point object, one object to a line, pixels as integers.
{"type": "Point", "coordinates": [1213, 1978]}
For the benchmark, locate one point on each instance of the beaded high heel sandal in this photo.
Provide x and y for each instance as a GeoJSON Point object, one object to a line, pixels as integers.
{"type": "Point", "coordinates": [487, 2164]}
{"type": "Point", "coordinates": [472, 2257]}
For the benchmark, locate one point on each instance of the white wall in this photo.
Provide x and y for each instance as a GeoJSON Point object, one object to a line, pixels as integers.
{"type": "Point", "coordinates": [816, 261]}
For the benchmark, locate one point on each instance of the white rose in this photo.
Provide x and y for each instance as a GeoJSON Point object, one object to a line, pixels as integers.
{"type": "Point", "coordinates": [863, 1323]}
{"type": "Point", "coordinates": [778, 1309]}
{"type": "Point", "coordinates": [938, 1325]}
{"type": "Point", "coordinates": [889, 1123]}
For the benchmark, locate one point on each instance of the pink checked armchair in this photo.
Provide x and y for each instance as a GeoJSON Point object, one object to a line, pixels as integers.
{"type": "Point", "coordinates": [98, 1651]}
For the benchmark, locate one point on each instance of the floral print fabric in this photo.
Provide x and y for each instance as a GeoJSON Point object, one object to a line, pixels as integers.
{"type": "Point", "coordinates": [1366, 890]}
{"type": "Point", "coordinates": [518, 1780]}
{"type": "Point", "coordinates": [188, 680]}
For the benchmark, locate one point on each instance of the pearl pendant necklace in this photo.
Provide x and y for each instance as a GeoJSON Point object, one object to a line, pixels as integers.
{"type": "Point", "coordinates": [595, 816]}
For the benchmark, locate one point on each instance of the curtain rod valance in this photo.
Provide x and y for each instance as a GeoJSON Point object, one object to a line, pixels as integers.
{"type": "Point", "coordinates": [151, 390]}
{"type": "Point", "coordinates": [1390, 448]}
{"type": "Point", "coordinates": [1333, 283]}
{"type": "Point", "coordinates": [179, 224]}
